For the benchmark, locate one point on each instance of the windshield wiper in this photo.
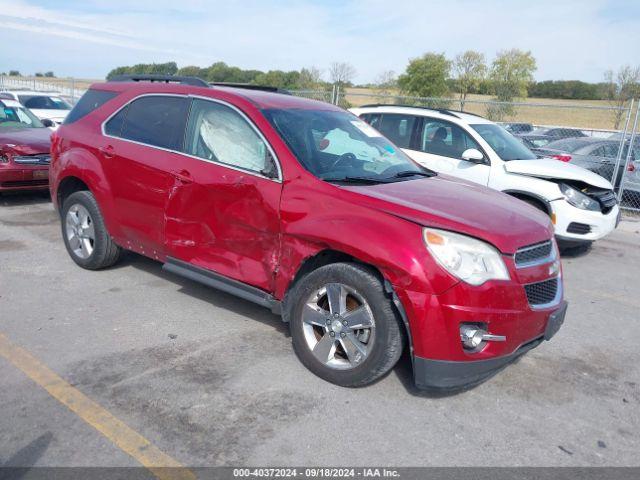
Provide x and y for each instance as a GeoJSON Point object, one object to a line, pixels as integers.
{"type": "Point", "coordinates": [411, 173]}
{"type": "Point", "coordinates": [364, 180]}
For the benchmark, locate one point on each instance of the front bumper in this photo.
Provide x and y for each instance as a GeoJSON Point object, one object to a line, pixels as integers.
{"type": "Point", "coordinates": [24, 178]}
{"type": "Point", "coordinates": [452, 375]}
{"type": "Point", "coordinates": [599, 224]}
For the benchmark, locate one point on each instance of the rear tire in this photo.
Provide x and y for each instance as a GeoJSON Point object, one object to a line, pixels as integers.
{"type": "Point", "coordinates": [85, 234]}
{"type": "Point", "coordinates": [352, 341]}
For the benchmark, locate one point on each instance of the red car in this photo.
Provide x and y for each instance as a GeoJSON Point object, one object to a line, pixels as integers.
{"type": "Point", "coordinates": [303, 208]}
{"type": "Point", "coordinates": [24, 149]}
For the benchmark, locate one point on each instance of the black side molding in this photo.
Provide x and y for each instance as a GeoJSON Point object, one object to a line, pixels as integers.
{"type": "Point", "coordinates": [220, 282]}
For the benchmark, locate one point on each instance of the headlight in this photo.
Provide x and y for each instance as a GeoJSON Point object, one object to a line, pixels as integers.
{"type": "Point", "coordinates": [579, 199]}
{"type": "Point", "coordinates": [471, 260]}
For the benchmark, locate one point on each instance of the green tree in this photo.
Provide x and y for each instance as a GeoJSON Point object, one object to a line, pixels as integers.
{"type": "Point", "coordinates": [620, 88]}
{"type": "Point", "coordinates": [169, 68]}
{"type": "Point", "coordinates": [310, 79]}
{"type": "Point", "coordinates": [511, 74]}
{"type": "Point", "coordinates": [14, 73]}
{"type": "Point", "coordinates": [469, 69]}
{"type": "Point", "coordinates": [49, 74]}
{"type": "Point", "coordinates": [426, 76]}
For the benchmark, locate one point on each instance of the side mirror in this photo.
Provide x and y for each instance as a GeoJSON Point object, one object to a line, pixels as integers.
{"type": "Point", "coordinates": [473, 155]}
{"type": "Point", "coordinates": [48, 123]}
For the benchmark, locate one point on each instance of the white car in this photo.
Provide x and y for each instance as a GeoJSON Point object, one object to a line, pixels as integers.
{"type": "Point", "coordinates": [581, 204]}
{"type": "Point", "coordinates": [45, 106]}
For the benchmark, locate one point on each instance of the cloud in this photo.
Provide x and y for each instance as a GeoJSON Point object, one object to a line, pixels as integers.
{"type": "Point", "coordinates": [569, 39]}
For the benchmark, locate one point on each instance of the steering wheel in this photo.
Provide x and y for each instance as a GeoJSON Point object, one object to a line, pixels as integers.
{"type": "Point", "coordinates": [350, 157]}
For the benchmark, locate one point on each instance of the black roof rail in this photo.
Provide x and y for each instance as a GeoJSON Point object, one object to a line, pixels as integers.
{"type": "Point", "coordinates": [445, 111]}
{"type": "Point", "coordinates": [250, 86]}
{"type": "Point", "coordinates": [440, 110]}
{"type": "Point", "coordinates": [194, 81]}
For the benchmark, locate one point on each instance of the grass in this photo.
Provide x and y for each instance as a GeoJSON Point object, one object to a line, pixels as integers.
{"type": "Point", "coordinates": [569, 113]}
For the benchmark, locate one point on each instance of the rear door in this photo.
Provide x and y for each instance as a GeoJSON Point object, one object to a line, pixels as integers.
{"type": "Point", "coordinates": [440, 145]}
{"type": "Point", "coordinates": [223, 210]}
{"type": "Point", "coordinates": [140, 149]}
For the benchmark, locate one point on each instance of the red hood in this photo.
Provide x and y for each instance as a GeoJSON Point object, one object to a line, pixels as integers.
{"type": "Point", "coordinates": [450, 204]}
{"type": "Point", "coordinates": [27, 141]}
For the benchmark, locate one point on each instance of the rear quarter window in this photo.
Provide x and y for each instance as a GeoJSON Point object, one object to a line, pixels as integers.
{"type": "Point", "coordinates": [89, 102]}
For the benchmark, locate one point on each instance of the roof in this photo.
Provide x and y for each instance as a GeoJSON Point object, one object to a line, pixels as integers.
{"type": "Point", "coordinates": [10, 103]}
{"type": "Point", "coordinates": [261, 99]}
{"type": "Point", "coordinates": [32, 92]}
{"type": "Point", "coordinates": [445, 114]}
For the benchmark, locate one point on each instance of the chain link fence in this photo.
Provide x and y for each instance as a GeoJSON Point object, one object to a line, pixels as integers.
{"type": "Point", "coordinates": [595, 135]}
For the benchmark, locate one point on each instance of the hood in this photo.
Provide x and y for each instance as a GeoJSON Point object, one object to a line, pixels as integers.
{"type": "Point", "coordinates": [548, 168]}
{"type": "Point", "coordinates": [450, 204]}
{"type": "Point", "coordinates": [26, 141]}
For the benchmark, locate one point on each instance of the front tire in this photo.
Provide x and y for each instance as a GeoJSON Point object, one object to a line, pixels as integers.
{"type": "Point", "coordinates": [343, 326]}
{"type": "Point", "coordinates": [84, 233]}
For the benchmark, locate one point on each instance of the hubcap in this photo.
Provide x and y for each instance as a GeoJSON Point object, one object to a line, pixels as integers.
{"type": "Point", "coordinates": [80, 231]}
{"type": "Point", "coordinates": [338, 326]}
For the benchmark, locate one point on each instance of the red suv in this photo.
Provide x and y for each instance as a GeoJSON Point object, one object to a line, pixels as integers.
{"type": "Point", "coordinates": [303, 208]}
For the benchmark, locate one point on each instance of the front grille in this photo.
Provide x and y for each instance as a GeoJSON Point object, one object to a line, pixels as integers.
{"type": "Point", "coordinates": [579, 228]}
{"type": "Point", "coordinates": [542, 293]}
{"type": "Point", "coordinates": [33, 159]}
{"type": "Point", "coordinates": [26, 183]}
{"type": "Point", "coordinates": [533, 253]}
{"type": "Point", "coordinates": [606, 198]}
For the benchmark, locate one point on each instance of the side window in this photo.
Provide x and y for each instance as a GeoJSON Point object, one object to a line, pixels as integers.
{"type": "Point", "coordinates": [90, 101]}
{"type": "Point", "coordinates": [219, 133]}
{"type": "Point", "coordinates": [397, 128]}
{"type": "Point", "coordinates": [372, 119]}
{"type": "Point", "coordinates": [611, 151]}
{"type": "Point", "coordinates": [114, 126]}
{"type": "Point", "coordinates": [445, 139]}
{"type": "Point", "coordinates": [157, 120]}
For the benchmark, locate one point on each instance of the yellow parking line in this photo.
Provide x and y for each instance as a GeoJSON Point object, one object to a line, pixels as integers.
{"type": "Point", "coordinates": [128, 440]}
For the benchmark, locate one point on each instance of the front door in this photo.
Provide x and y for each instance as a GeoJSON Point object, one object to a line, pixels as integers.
{"type": "Point", "coordinates": [222, 213]}
{"type": "Point", "coordinates": [440, 145]}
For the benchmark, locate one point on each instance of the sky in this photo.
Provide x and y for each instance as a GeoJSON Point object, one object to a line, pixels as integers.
{"type": "Point", "coordinates": [87, 38]}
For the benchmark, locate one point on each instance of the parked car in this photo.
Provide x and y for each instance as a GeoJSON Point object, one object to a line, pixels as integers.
{"type": "Point", "coordinates": [596, 154]}
{"type": "Point", "coordinates": [24, 149]}
{"type": "Point", "coordinates": [581, 203]}
{"type": "Point", "coordinates": [534, 141]}
{"type": "Point", "coordinates": [301, 207]}
{"type": "Point", "coordinates": [46, 106]}
{"type": "Point", "coordinates": [517, 128]}
{"type": "Point", "coordinates": [559, 132]}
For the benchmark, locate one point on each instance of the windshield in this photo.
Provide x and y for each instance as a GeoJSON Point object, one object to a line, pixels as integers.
{"type": "Point", "coordinates": [503, 143]}
{"type": "Point", "coordinates": [43, 102]}
{"type": "Point", "coordinates": [18, 117]}
{"type": "Point", "coordinates": [336, 145]}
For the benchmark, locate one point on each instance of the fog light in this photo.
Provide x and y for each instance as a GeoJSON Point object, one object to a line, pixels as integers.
{"type": "Point", "coordinates": [473, 336]}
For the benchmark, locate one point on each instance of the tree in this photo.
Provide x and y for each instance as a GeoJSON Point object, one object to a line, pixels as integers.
{"type": "Point", "coordinates": [14, 73]}
{"type": "Point", "coordinates": [511, 74]}
{"type": "Point", "coordinates": [49, 74]}
{"type": "Point", "coordinates": [169, 68]}
{"type": "Point", "coordinates": [426, 76]}
{"type": "Point", "coordinates": [620, 88]}
{"type": "Point", "coordinates": [310, 78]}
{"type": "Point", "coordinates": [386, 82]}
{"type": "Point", "coordinates": [469, 69]}
{"type": "Point", "coordinates": [341, 73]}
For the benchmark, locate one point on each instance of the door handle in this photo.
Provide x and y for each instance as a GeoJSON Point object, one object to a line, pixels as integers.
{"type": "Point", "coordinates": [182, 176]}
{"type": "Point", "coordinates": [107, 151]}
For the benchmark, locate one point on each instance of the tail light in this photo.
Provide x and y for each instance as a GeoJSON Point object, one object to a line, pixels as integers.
{"type": "Point", "coordinates": [631, 167]}
{"type": "Point", "coordinates": [562, 157]}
